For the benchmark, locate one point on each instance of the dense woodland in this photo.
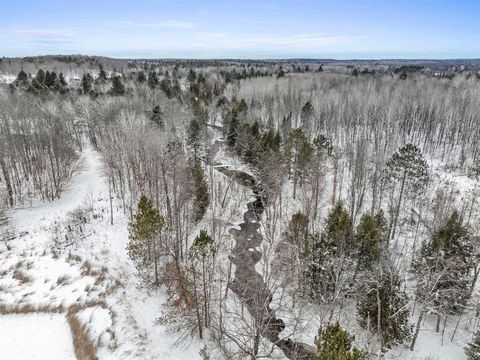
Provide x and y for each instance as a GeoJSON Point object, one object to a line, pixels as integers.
{"type": "Point", "coordinates": [356, 213]}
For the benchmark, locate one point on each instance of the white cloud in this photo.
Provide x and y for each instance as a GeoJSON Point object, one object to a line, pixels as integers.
{"type": "Point", "coordinates": [299, 42]}
{"type": "Point", "coordinates": [38, 33]}
{"type": "Point", "coordinates": [165, 24]}
{"type": "Point", "coordinates": [161, 40]}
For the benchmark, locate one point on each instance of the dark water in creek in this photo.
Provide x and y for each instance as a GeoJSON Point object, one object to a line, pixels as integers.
{"type": "Point", "coordinates": [248, 284]}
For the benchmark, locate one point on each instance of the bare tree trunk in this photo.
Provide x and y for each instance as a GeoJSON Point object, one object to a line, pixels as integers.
{"type": "Point", "coordinates": [155, 260]}
{"type": "Point", "coordinates": [444, 326]}
{"type": "Point", "coordinates": [205, 293]}
{"type": "Point", "coordinates": [197, 306]}
{"type": "Point", "coordinates": [417, 329]}
{"type": "Point", "coordinates": [110, 199]}
{"type": "Point", "coordinates": [437, 326]}
{"type": "Point", "coordinates": [335, 180]}
{"type": "Point", "coordinates": [167, 196]}
{"type": "Point", "coordinates": [379, 318]}
{"type": "Point", "coordinates": [8, 183]}
{"type": "Point", "coordinates": [456, 327]}
{"type": "Point", "coordinates": [295, 180]}
{"type": "Point", "coordinates": [397, 211]}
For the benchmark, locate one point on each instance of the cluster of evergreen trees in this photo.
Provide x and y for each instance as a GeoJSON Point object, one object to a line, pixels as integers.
{"type": "Point", "coordinates": [51, 81]}
{"type": "Point", "coordinates": [169, 84]}
{"type": "Point", "coordinates": [340, 256]}
{"type": "Point", "coordinates": [246, 139]}
{"type": "Point", "coordinates": [42, 81]}
{"type": "Point", "coordinates": [329, 263]}
{"type": "Point", "coordinates": [446, 271]}
{"type": "Point", "coordinates": [234, 75]}
{"type": "Point", "coordinates": [92, 86]}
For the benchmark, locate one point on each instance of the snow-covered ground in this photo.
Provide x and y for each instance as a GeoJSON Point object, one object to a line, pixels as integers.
{"type": "Point", "coordinates": [445, 345]}
{"type": "Point", "coordinates": [87, 184]}
{"type": "Point", "coordinates": [66, 255]}
{"type": "Point", "coordinates": [7, 78]}
{"type": "Point", "coordinates": [35, 337]}
{"type": "Point", "coordinates": [60, 261]}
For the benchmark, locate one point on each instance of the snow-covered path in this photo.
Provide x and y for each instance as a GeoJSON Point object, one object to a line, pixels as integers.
{"type": "Point", "coordinates": [93, 271]}
{"type": "Point", "coordinates": [24, 337]}
{"type": "Point", "coordinates": [87, 181]}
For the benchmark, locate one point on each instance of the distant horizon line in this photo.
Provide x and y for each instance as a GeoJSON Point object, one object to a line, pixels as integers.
{"type": "Point", "coordinates": [252, 58]}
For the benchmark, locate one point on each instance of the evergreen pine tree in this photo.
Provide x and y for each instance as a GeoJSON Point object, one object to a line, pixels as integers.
{"type": "Point", "coordinates": [60, 84]}
{"type": "Point", "coordinates": [176, 90]}
{"type": "Point", "coordinates": [141, 78]}
{"type": "Point", "coordinates": [40, 78]}
{"type": "Point", "coordinates": [38, 83]}
{"type": "Point", "coordinates": [201, 197]}
{"type": "Point", "coordinates": [472, 350]}
{"type": "Point", "coordinates": [102, 75]}
{"type": "Point", "coordinates": [203, 245]}
{"type": "Point", "coordinates": [408, 168]}
{"type": "Point", "coordinates": [298, 231]}
{"type": "Point", "coordinates": [192, 76]}
{"type": "Point", "coordinates": [329, 267]}
{"type": "Point", "coordinates": [334, 343]}
{"type": "Point", "coordinates": [86, 84]}
{"type": "Point", "coordinates": [61, 79]}
{"type": "Point", "coordinates": [152, 79]}
{"type": "Point", "coordinates": [195, 90]}
{"type": "Point", "coordinates": [298, 152]}
{"type": "Point", "coordinates": [47, 78]}
{"type": "Point", "coordinates": [22, 79]}
{"type": "Point", "coordinates": [233, 125]}
{"type": "Point", "coordinates": [369, 238]}
{"type": "Point", "coordinates": [117, 88]}
{"type": "Point", "coordinates": [270, 141]}
{"type": "Point", "coordinates": [447, 259]}
{"type": "Point", "coordinates": [201, 79]}
{"type": "Point", "coordinates": [322, 143]}
{"type": "Point", "coordinates": [338, 230]}
{"type": "Point", "coordinates": [50, 78]}
{"type": "Point", "coordinates": [382, 308]}
{"type": "Point", "coordinates": [143, 247]}
{"type": "Point", "coordinates": [157, 116]}
{"type": "Point", "coordinates": [166, 86]}
{"type": "Point", "coordinates": [306, 117]}
{"type": "Point", "coordinates": [249, 145]}
{"type": "Point", "coordinates": [194, 136]}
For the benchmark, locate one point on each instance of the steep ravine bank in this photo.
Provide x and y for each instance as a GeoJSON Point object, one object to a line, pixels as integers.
{"type": "Point", "coordinates": [248, 284]}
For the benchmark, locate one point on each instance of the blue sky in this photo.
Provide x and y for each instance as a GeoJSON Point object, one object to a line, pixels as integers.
{"type": "Point", "coordinates": [339, 29]}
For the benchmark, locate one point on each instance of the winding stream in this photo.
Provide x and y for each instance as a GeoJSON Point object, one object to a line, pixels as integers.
{"type": "Point", "coordinates": [248, 284]}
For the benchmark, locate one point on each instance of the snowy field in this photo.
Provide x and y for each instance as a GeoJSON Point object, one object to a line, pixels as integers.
{"type": "Point", "coordinates": [7, 78]}
{"type": "Point", "coordinates": [35, 336]}
{"type": "Point", "coordinates": [90, 273]}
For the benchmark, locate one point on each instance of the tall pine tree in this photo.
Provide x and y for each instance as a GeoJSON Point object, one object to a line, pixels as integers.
{"type": "Point", "coordinates": [472, 350]}
{"type": "Point", "coordinates": [383, 308]}
{"type": "Point", "coordinates": [201, 196]}
{"type": "Point", "coordinates": [334, 343]}
{"type": "Point", "coordinates": [144, 245]}
{"type": "Point", "coordinates": [407, 168]}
